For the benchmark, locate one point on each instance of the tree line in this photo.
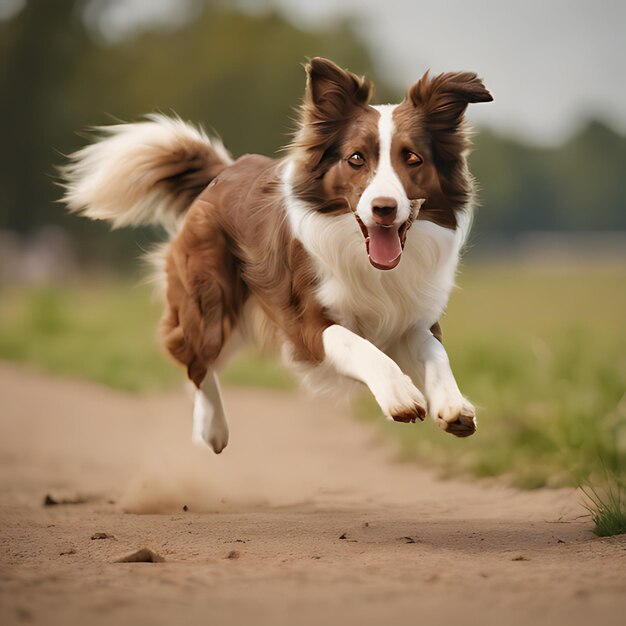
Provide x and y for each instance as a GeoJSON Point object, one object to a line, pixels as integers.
{"type": "Point", "coordinates": [241, 74]}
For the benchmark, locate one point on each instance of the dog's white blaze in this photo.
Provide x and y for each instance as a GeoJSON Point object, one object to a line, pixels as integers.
{"type": "Point", "coordinates": [385, 182]}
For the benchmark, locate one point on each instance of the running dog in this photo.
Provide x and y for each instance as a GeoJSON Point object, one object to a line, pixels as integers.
{"type": "Point", "coordinates": [340, 256]}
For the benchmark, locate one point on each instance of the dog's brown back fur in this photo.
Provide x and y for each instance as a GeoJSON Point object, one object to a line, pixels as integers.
{"type": "Point", "coordinates": [235, 244]}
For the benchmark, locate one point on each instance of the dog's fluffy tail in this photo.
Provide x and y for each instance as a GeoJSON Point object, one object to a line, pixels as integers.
{"type": "Point", "coordinates": [143, 173]}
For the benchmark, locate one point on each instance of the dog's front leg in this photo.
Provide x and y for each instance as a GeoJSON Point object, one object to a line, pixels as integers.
{"type": "Point", "coordinates": [430, 368]}
{"type": "Point", "coordinates": [357, 358]}
{"type": "Point", "coordinates": [209, 420]}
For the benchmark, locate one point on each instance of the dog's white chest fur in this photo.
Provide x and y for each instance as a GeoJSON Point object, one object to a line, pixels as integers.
{"type": "Point", "coordinates": [378, 305]}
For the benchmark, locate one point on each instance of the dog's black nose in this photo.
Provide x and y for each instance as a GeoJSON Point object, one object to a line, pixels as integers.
{"type": "Point", "coordinates": [384, 210]}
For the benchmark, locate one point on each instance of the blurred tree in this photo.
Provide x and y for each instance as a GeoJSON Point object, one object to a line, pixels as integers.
{"type": "Point", "coordinates": [39, 48]}
{"type": "Point", "coordinates": [579, 185]}
{"type": "Point", "coordinates": [589, 175]}
{"type": "Point", "coordinates": [241, 74]}
{"type": "Point", "coordinates": [236, 72]}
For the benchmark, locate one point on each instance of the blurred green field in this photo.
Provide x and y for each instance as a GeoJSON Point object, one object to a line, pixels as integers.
{"type": "Point", "coordinates": [106, 332]}
{"type": "Point", "coordinates": [541, 353]}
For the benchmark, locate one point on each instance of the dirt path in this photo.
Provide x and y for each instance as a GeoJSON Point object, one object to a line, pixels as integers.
{"type": "Point", "coordinates": [305, 519]}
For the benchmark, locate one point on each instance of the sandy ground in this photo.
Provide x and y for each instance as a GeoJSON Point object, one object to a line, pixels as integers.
{"type": "Point", "coordinates": [304, 519]}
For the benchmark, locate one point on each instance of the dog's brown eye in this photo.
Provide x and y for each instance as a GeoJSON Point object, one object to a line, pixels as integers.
{"type": "Point", "coordinates": [412, 159]}
{"type": "Point", "coordinates": [356, 160]}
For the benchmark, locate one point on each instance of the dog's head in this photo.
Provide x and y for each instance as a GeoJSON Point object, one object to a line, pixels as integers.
{"type": "Point", "coordinates": [388, 165]}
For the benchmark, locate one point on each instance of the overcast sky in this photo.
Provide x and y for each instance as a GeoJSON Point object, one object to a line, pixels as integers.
{"type": "Point", "coordinates": [550, 64]}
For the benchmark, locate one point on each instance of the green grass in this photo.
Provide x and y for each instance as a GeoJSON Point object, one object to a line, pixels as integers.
{"type": "Point", "coordinates": [541, 353]}
{"type": "Point", "coordinates": [106, 333]}
{"type": "Point", "coordinates": [607, 505]}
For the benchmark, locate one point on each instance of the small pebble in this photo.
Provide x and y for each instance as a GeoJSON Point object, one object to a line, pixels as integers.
{"type": "Point", "coordinates": [102, 536]}
{"type": "Point", "coordinates": [143, 555]}
{"type": "Point", "coordinates": [70, 551]}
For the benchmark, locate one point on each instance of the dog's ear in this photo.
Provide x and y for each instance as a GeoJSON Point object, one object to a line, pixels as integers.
{"type": "Point", "coordinates": [442, 100]}
{"type": "Point", "coordinates": [331, 92]}
{"type": "Point", "coordinates": [331, 97]}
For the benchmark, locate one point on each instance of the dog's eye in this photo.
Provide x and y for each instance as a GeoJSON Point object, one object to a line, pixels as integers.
{"type": "Point", "coordinates": [413, 160]}
{"type": "Point", "coordinates": [356, 160]}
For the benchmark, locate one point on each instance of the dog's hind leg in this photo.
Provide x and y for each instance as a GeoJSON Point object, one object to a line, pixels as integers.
{"type": "Point", "coordinates": [209, 420]}
{"type": "Point", "coordinates": [204, 297]}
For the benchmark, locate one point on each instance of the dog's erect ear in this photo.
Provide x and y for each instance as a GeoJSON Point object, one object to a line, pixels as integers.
{"type": "Point", "coordinates": [331, 92]}
{"type": "Point", "coordinates": [442, 100]}
{"type": "Point", "coordinates": [332, 96]}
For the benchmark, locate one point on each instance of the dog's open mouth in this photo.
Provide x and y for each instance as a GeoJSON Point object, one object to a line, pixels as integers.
{"type": "Point", "coordinates": [384, 244]}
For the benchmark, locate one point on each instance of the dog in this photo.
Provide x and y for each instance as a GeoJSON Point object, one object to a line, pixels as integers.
{"type": "Point", "coordinates": [340, 256]}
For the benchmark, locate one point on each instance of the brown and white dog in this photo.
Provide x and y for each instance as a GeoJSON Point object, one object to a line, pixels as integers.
{"type": "Point", "coordinates": [341, 255]}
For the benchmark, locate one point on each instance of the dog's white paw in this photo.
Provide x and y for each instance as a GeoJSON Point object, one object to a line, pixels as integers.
{"type": "Point", "coordinates": [456, 416]}
{"type": "Point", "coordinates": [401, 400]}
{"type": "Point", "coordinates": [215, 436]}
{"type": "Point", "coordinates": [210, 428]}
{"type": "Point", "coordinates": [218, 436]}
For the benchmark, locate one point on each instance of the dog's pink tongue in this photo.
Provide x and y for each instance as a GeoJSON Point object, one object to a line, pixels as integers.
{"type": "Point", "coordinates": [384, 247]}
